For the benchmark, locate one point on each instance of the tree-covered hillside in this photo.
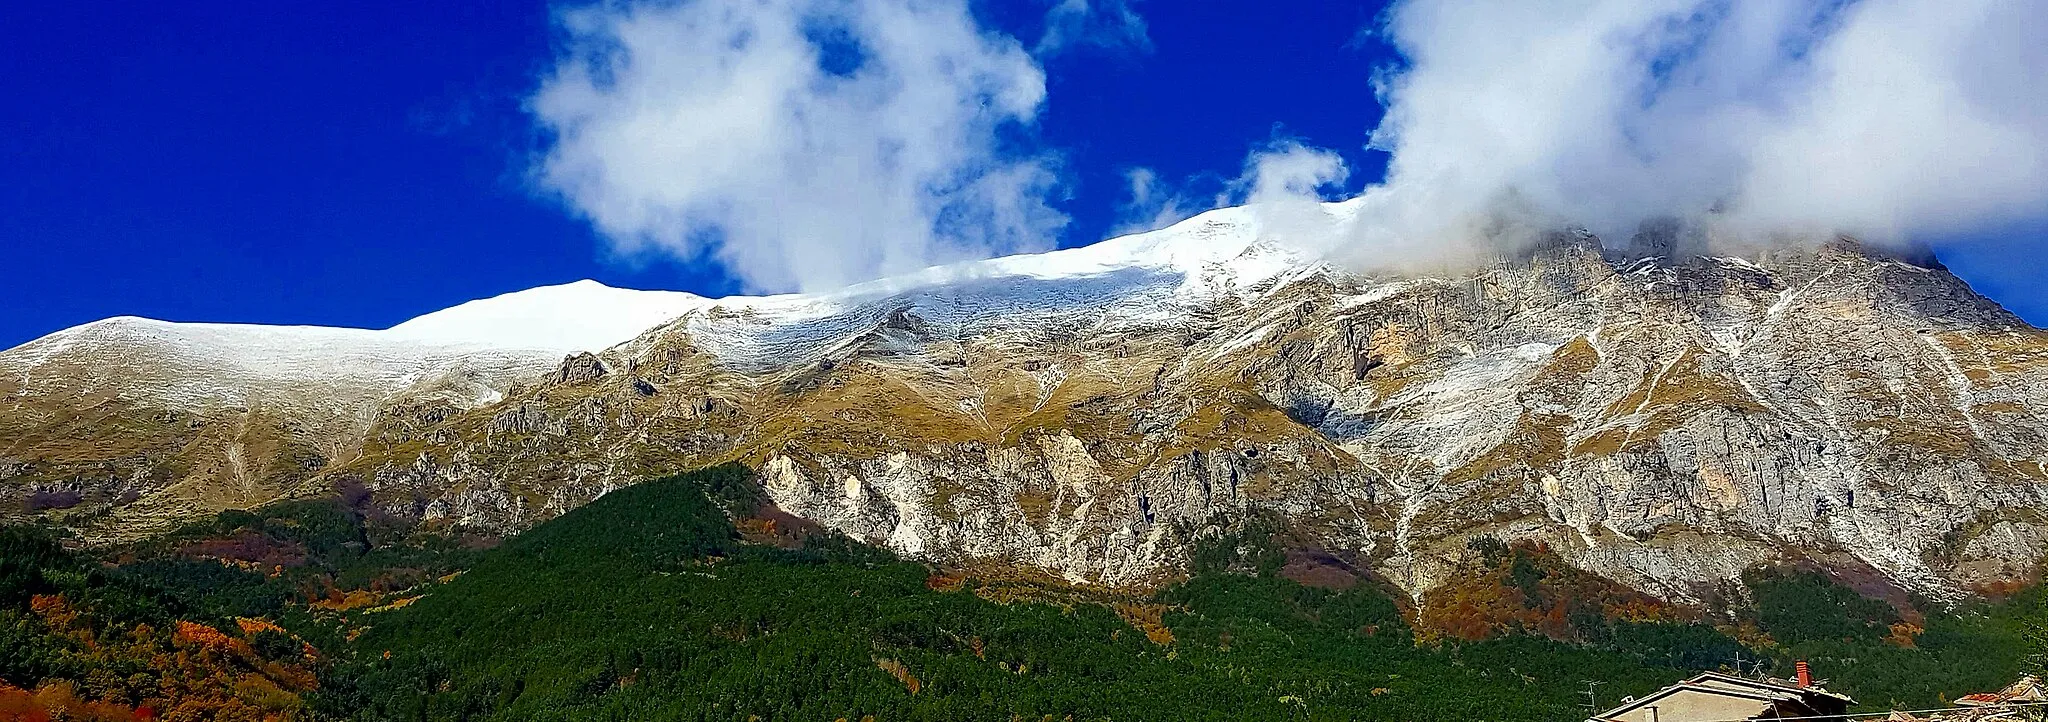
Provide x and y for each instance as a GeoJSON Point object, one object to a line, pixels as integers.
{"type": "Point", "coordinates": [651, 603]}
{"type": "Point", "coordinates": [645, 605]}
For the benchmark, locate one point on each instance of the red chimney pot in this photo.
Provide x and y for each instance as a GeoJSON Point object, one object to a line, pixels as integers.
{"type": "Point", "coordinates": [1805, 674]}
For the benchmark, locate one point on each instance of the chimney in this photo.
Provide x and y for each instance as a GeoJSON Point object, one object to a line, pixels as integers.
{"type": "Point", "coordinates": [1805, 674]}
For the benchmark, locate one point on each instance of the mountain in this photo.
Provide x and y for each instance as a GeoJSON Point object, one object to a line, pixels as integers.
{"type": "Point", "coordinates": [1658, 413]}
{"type": "Point", "coordinates": [151, 422]}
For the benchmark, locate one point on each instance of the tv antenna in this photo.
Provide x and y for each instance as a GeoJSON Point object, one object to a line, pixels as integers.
{"type": "Point", "coordinates": [1592, 700]}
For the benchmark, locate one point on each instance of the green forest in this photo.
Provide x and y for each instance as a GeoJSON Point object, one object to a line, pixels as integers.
{"type": "Point", "coordinates": [651, 604]}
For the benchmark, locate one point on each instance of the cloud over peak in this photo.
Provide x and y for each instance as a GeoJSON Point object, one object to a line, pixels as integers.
{"type": "Point", "coordinates": [803, 144]}
{"type": "Point", "coordinates": [809, 144]}
{"type": "Point", "coordinates": [1880, 118]}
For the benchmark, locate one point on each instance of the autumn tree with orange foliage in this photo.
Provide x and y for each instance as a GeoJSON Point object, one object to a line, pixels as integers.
{"type": "Point", "coordinates": [1523, 588]}
{"type": "Point", "coordinates": [94, 647]}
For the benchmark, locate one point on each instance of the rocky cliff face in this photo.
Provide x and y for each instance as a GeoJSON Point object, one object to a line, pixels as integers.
{"type": "Point", "coordinates": [1660, 418]}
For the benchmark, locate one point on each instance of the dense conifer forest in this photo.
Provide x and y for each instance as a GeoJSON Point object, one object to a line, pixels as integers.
{"type": "Point", "coordinates": [651, 603]}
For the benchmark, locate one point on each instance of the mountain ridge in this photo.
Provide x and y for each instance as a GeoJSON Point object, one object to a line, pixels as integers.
{"type": "Point", "coordinates": [1660, 417]}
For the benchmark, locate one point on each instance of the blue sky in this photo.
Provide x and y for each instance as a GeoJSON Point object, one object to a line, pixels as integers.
{"type": "Point", "coordinates": [361, 163]}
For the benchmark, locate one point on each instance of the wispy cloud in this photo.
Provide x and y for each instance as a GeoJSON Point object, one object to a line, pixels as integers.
{"type": "Point", "coordinates": [1151, 204]}
{"type": "Point", "coordinates": [803, 144]}
{"type": "Point", "coordinates": [1281, 179]}
{"type": "Point", "coordinates": [1285, 184]}
{"type": "Point", "coordinates": [1288, 171]}
{"type": "Point", "coordinates": [1110, 24]}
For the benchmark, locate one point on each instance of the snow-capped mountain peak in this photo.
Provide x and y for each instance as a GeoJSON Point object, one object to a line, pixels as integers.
{"type": "Point", "coordinates": [582, 316]}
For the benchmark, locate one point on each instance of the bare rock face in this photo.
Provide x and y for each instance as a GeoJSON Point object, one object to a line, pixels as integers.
{"type": "Point", "coordinates": [1658, 415]}
{"type": "Point", "coordinates": [580, 368]}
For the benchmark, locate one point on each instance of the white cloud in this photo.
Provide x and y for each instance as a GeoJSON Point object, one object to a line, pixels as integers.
{"type": "Point", "coordinates": [1108, 24]}
{"type": "Point", "coordinates": [1881, 118]}
{"type": "Point", "coordinates": [1285, 184]}
{"type": "Point", "coordinates": [1284, 181]}
{"type": "Point", "coordinates": [1288, 171]}
{"type": "Point", "coordinates": [1924, 118]}
{"type": "Point", "coordinates": [803, 144]}
{"type": "Point", "coordinates": [1152, 205]}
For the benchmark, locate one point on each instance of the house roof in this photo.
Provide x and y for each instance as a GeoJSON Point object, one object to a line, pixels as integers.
{"type": "Point", "coordinates": [1772, 686]}
{"type": "Point", "coordinates": [1683, 687]}
{"type": "Point", "coordinates": [2027, 689]}
{"type": "Point", "coordinates": [1729, 686]}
